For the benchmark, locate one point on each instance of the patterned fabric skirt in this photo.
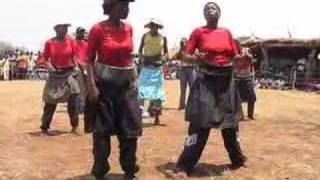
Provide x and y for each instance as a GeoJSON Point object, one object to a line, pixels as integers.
{"type": "Point", "coordinates": [214, 101]}
{"type": "Point", "coordinates": [60, 86]}
{"type": "Point", "coordinates": [117, 110]}
{"type": "Point", "coordinates": [151, 84]}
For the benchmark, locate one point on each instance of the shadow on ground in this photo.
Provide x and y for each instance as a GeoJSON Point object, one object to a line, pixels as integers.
{"type": "Point", "coordinates": [50, 133]}
{"type": "Point", "coordinates": [202, 170]}
{"type": "Point", "coordinates": [111, 176]}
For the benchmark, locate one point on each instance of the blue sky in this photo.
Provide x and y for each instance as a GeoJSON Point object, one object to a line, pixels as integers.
{"type": "Point", "coordinates": [29, 22]}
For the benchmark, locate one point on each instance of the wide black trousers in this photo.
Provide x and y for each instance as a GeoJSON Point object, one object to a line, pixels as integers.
{"type": "Point", "coordinates": [102, 150]}
{"type": "Point", "coordinates": [49, 110]}
{"type": "Point", "coordinates": [196, 141]}
{"type": "Point", "coordinates": [116, 113]}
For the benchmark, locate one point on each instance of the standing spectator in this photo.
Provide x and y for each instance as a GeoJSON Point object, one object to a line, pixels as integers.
{"type": "Point", "coordinates": [32, 62]}
{"type": "Point", "coordinates": [22, 65]}
{"type": "Point", "coordinates": [12, 65]}
{"type": "Point", "coordinates": [187, 73]}
{"type": "Point", "coordinates": [4, 67]}
{"type": "Point", "coordinates": [244, 80]}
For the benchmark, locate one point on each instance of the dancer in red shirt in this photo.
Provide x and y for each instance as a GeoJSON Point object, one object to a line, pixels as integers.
{"type": "Point", "coordinates": [81, 51]}
{"type": "Point", "coordinates": [81, 46]}
{"type": "Point", "coordinates": [62, 86]}
{"type": "Point", "coordinates": [213, 102]}
{"type": "Point", "coordinates": [111, 84]}
{"type": "Point", "coordinates": [244, 80]}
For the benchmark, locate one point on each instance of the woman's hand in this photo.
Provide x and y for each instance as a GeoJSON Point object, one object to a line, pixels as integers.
{"type": "Point", "coordinates": [93, 93]}
{"type": "Point", "coordinates": [51, 68]}
{"type": "Point", "coordinates": [201, 56]}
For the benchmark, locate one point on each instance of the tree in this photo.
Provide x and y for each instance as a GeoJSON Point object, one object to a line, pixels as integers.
{"type": "Point", "coordinates": [4, 46]}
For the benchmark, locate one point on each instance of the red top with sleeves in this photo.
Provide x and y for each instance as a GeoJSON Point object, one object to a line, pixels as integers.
{"type": "Point", "coordinates": [218, 44]}
{"type": "Point", "coordinates": [60, 53]}
{"type": "Point", "coordinates": [113, 45]}
{"type": "Point", "coordinates": [81, 48]}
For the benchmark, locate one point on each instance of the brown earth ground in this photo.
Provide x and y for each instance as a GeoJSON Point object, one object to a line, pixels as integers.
{"type": "Point", "coordinates": [284, 142]}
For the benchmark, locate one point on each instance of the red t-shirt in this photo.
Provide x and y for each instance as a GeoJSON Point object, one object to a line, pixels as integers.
{"type": "Point", "coordinates": [218, 44]}
{"type": "Point", "coordinates": [81, 48]}
{"type": "Point", "coordinates": [59, 53]}
{"type": "Point", "coordinates": [112, 45]}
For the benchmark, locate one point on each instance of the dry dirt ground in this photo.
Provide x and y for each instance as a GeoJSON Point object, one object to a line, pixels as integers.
{"type": "Point", "coordinates": [284, 142]}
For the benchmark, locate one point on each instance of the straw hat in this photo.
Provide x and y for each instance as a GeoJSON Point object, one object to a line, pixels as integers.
{"type": "Point", "coordinates": [154, 22]}
{"type": "Point", "coordinates": [61, 22]}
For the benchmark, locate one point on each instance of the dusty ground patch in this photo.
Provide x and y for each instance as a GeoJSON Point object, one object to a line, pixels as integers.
{"type": "Point", "coordinates": [282, 144]}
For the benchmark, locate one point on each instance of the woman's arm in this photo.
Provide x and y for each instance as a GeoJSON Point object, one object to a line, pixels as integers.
{"type": "Point", "coordinates": [93, 43]}
{"type": "Point", "coordinates": [46, 57]}
{"type": "Point", "coordinates": [191, 55]}
{"type": "Point", "coordinates": [91, 82]}
{"type": "Point", "coordinates": [141, 47]}
{"type": "Point", "coordinates": [165, 50]}
{"type": "Point", "coordinates": [189, 58]}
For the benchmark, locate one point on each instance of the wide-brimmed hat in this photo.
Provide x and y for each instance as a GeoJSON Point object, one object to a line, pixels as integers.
{"type": "Point", "coordinates": [154, 22]}
{"type": "Point", "coordinates": [60, 22]}
{"type": "Point", "coordinates": [184, 40]}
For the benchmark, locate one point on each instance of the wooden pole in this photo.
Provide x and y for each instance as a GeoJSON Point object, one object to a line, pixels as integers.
{"type": "Point", "coordinates": [294, 79]}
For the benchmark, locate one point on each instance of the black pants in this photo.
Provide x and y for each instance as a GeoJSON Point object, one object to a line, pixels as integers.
{"type": "Point", "coordinates": [196, 142]}
{"type": "Point", "coordinates": [247, 94]}
{"type": "Point", "coordinates": [102, 150]}
{"type": "Point", "coordinates": [155, 107]}
{"type": "Point", "coordinates": [246, 90]}
{"type": "Point", "coordinates": [49, 110]}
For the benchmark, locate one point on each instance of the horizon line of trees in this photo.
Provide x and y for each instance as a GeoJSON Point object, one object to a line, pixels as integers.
{"type": "Point", "coordinates": [6, 46]}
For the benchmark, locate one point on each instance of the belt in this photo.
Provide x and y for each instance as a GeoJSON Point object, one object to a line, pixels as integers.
{"type": "Point", "coordinates": [62, 70]}
{"type": "Point", "coordinates": [187, 67]}
{"type": "Point", "coordinates": [215, 70]}
{"type": "Point", "coordinates": [107, 72]}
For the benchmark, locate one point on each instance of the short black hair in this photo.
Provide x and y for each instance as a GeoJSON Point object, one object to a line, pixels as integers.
{"type": "Point", "coordinates": [215, 4]}
{"type": "Point", "coordinates": [106, 6]}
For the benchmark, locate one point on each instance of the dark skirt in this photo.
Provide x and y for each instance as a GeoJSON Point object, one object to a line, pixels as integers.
{"type": "Point", "coordinates": [117, 111]}
{"type": "Point", "coordinates": [214, 101]}
{"type": "Point", "coordinates": [246, 89]}
{"type": "Point", "coordinates": [60, 85]}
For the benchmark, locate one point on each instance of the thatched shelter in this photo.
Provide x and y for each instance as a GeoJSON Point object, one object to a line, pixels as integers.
{"type": "Point", "coordinates": [282, 55]}
{"type": "Point", "coordinates": [249, 41]}
{"type": "Point", "coordinates": [253, 43]}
